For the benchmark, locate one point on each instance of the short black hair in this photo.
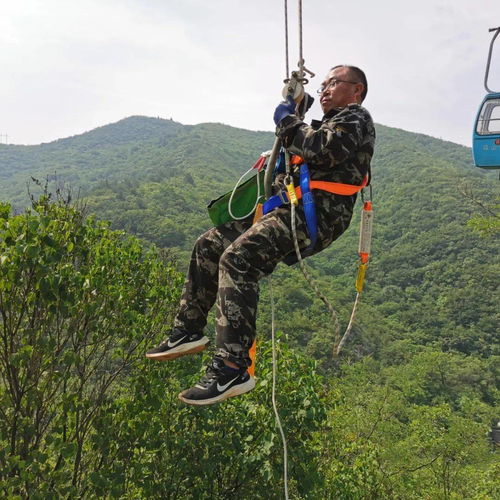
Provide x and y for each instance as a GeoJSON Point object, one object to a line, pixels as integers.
{"type": "Point", "coordinates": [357, 74]}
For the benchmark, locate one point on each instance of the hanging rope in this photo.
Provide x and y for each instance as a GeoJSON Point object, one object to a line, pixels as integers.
{"type": "Point", "coordinates": [273, 393]}
{"type": "Point", "coordinates": [294, 80]}
{"type": "Point", "coordinates": [338, 341]}
{"type": "Point", "coordinates": [347, 333]}
{"type": "Point", "coordinates": [301, 55]}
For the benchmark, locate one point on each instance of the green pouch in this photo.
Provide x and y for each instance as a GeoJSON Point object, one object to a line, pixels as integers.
{"type": "Point", "coordinates": [242, 204]}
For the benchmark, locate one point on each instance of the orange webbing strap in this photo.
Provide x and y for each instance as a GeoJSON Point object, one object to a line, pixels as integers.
{"type": "Point", "coordinates": [331, 187]}
{"type": "Point", "coordinates": [335, 187]}
{"type": "Point", "coordinates": [258, 212]}
{"type": "Point", "coordinates": [253, 354]}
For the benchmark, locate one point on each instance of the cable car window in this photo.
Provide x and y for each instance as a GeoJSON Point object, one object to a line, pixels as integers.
{"type": "Point", "coordinates": [489, 118]}
{"type": "Point", "coordinates": [494, 121]}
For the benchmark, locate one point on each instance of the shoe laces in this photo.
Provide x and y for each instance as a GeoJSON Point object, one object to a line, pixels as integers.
{"type": "Point", "coordinates": [212, 372]}
{"type": "Point", "coordinates": [172, 334]}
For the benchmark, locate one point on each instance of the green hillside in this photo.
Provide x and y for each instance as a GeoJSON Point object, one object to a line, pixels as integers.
{"type": "Point", "coordinates": [134, 149]}
{"type": "Point", "coordinates": [403, 413]}
{"type": "Point", "coordinates": [154, 177]}
{"type": "Point", "coordinates": [430, 273]}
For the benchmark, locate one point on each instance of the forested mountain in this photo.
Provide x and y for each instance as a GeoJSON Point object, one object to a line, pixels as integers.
{"type": "Point", "coordinates": [429, 271]}
{"type": "Point", "coordinates": [403, 413]}
{"type": "Point", "coordinates": [149, 176]}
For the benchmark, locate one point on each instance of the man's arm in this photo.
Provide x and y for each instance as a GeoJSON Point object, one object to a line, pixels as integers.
{"type": "Point", "coordinates": [332, 143]}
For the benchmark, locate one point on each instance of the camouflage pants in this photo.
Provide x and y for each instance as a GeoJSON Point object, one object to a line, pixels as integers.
{"type": "Point", "coordinates": [228, 261]}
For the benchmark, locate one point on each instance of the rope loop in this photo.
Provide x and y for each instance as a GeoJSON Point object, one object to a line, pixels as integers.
{"type": "Point", "coordinates": [257, 176]}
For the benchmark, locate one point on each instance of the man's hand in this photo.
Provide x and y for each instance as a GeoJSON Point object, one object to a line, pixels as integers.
{"type": "Point", "coordinates": [305, 104]}
{"type": "Point", "coordinates": [284, 108]}
{"type": "Point", "coordinates": [289, 107]}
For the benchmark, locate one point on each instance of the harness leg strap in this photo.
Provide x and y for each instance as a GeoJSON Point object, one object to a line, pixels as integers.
{"type": "Point", "coordinates": [308, 205]}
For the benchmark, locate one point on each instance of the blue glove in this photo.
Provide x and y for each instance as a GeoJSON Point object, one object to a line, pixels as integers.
{"type": "Point", "coordinates": [284, 108]}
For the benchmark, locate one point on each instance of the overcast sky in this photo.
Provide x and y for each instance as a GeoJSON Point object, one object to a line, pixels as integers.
{"type": "Point", "coordinates": [68, 66]}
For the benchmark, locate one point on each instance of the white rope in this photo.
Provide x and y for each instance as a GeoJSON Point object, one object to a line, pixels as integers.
{"type": "Point", "coordinates": [301, 55]}
{"type": "Point", "coordinates": [273, 394]}
{"type": "Point", "coordinates": [234, 191]}
{"type": "Point", "coordinates": [347, 333]}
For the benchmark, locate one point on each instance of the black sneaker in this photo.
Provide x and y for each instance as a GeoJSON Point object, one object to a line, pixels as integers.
{"type": "Point", "coordinates": [179, 343]}
{"type": "Point", "coordinates": [219, 382]}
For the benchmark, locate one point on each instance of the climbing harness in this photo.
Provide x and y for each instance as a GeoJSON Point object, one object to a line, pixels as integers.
{"type": "Point", "coordinates": [364, 242]}
{"type": "Point", "coordinates": [304, 192]}
{"type": "Point", "coordinates": [308, 205]}
{"type": "Point", "coordinates": [486, 133]}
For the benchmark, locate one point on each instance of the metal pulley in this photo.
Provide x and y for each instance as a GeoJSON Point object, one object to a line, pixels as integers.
{"type": "Point", "coordinates": [294, 87]}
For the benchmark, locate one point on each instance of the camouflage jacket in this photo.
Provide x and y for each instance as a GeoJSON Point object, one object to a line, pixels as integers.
{"type": "Point", "coordinates": [337, 149]}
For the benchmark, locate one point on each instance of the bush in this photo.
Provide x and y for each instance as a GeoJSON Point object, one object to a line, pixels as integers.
{"type": "Point", "coordinates": [77, 304]}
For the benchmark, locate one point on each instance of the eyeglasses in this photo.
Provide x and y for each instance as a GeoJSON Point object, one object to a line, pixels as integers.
{"type": "Point", "coordinates": [331, 84]}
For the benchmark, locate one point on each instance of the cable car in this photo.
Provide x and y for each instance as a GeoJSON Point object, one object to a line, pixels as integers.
{"type": "Point", "coordinates": [486, 134]}
{"type": "Point", "coordinates": [486, 139]}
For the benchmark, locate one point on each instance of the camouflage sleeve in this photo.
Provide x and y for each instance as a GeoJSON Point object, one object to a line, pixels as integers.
{"type": "Point", "coordinates": [334, 141]}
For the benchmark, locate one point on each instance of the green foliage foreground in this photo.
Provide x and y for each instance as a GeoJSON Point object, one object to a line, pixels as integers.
{"type": "Point", "coordinates": [85, 415]}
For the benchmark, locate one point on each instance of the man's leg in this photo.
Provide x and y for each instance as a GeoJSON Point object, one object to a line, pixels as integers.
{"type": "Point", "coordinates": [252, 256]}
{"type": "Point", "coordinates": [199, 292]}
{"type": "Point", "coordinates": [200, 286]}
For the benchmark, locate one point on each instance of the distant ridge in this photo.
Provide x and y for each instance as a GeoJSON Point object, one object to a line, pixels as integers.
{"type": "Point", "coordinates": [130, 129]}
{"type": "Point", "coordinates": [138, 146]}
{"type": "Point", "coordinates": [130, 148]}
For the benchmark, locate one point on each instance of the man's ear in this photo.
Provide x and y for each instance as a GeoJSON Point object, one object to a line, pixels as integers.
{"type": "Point", "coordinates": [359, 87]}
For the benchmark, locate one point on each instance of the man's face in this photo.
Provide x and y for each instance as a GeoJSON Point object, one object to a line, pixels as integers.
{"type": "Point", "coordinates": [342, 93]}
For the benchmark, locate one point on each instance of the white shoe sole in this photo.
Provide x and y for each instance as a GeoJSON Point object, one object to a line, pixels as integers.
{"type": "Point", "coordinates": [182, 350]}
{"type": "Point", "coordinates": [234, 391]}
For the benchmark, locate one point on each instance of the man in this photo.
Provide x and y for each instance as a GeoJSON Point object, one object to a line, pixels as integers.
{"type": "Point", "coordinates": [228, 261]}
